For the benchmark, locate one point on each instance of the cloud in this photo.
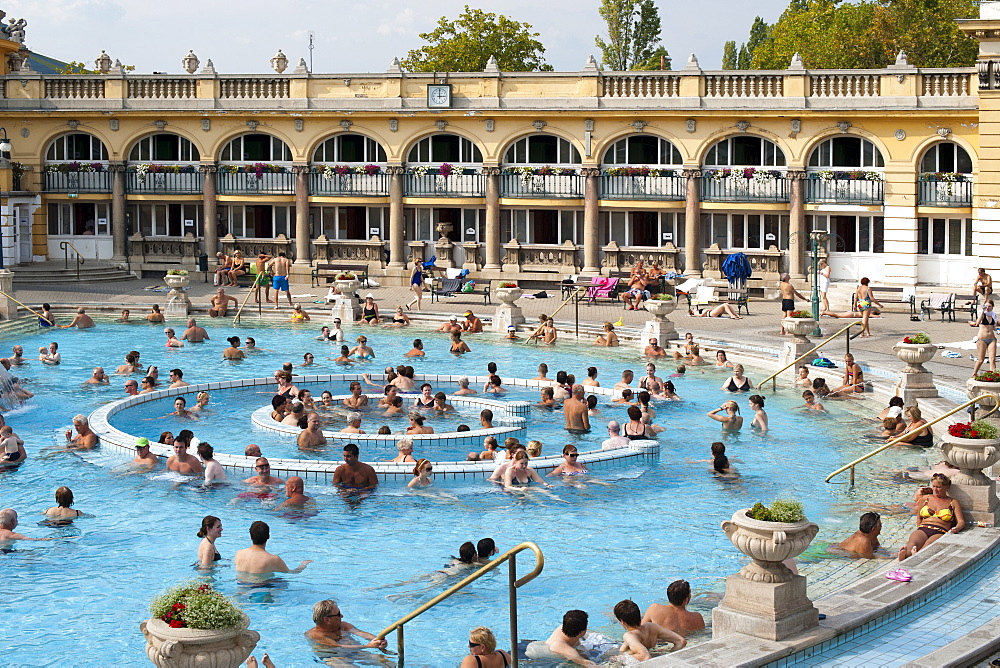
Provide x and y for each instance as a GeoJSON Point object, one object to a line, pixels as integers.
{"type": "Point", "coordinates": [402, 23]}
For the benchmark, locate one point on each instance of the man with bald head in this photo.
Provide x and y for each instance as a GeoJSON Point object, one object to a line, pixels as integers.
{"type": "Point", "coordinates": [194, 333]}
{"type": "Point", "coordinates": [295, 491]}
{"type": "Point", "coordinates": [8, 522]}
{"type": "Point", "coordinates": [81, 321]}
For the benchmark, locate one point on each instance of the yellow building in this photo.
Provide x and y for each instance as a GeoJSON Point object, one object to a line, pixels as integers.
{"type": "Point", "coordinates": [536, 175]}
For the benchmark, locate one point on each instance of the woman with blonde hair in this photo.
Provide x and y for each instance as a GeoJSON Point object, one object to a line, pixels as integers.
{"type": "Point", "coordinates": [917, 432]}
{"type": "Point", "coordinates": [405, 447]}
{"type": "Point", "coordinates": [732, 420]}
{"type": "Point", "coordinates": [937, 514]}
{"type": "Point", "coordinates": [483, 652]}
{"type": "Point", "coordinates": [608, 339]}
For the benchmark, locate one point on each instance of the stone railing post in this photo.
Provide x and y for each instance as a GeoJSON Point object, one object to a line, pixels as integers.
{"type": "Point", "coordinates": [119, 232]}
{"type": "Point", "coordinates": [692, 223]}
{"type": "Point", "coordinates": [512, 256]}
{"type": "Point", "coordinates": [612, 258]}
{"type": "Point", "coordinates": [492, 176]}
{"type": "Point", "coordinates": [397, 239]}
{"type": "Point", "coordinates": [8, 307]}
{"type": "Point", "coordinates": [713, 261]}
{"type": "Point", "coordinates": [472, 258]}
{"type": "Point", "coordinates": [210, 217]}
{"type": "Point", "coordinates": [591, 221]}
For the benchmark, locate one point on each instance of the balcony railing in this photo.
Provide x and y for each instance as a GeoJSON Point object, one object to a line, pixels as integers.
{"type": "Point", "coordinates": [453, 185]}
{"type": "Point", "coordinates": [935, 191]}
{"type": "Point", "coordinates": [372, 185]}
{"type": "Point", "coordinates": [736, 188]}
{"type": "Point", "coordinates": [671, 188]}
{"type": "Point", "coordinates": [84, 182]}
{"type": "Point", "coordinates": [269, 183]}
{"type": "Point", "coordinates": [541, 185]}
{"type": "Point", "coordinates": [167, 183]}
{"type": "Point", "coordinates": [843, 191]}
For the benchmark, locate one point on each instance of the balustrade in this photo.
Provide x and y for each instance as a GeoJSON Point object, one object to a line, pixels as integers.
{"type": "Point", "coordinates": [253, 88]}
{"type": "Point", "coordinates": [941, 192]}
{"type": "Point", "coordinates": [564, 259]}
{"type": "Point", "coordinates": [252, 247]}
{"type": "Point", "coordinates": [766, 264]}
{"type": "Point", "coordinates": [946, 84]}
{"type": "Point", "coordinates": [669, 188]}
{"type": "Point", "coordinates": [168, 183]}
{"type": "Point", "coordinates": [72, 88]}
{"type": "Point", "coordinates": [843, 191]}
{"type": "Point", "coordinates": [642, 85]}
{"type": "Point", "coordinates": [453, 185]}
{"type": "Point", "coordinates": [334, 185]}
{"type": "Point", "coordinates": [268, 183]}
{"type": "Point", "coordinates": [350, 251]}
{"type": "Point", "coordinates": [845, 85]}
{"type": "Point", "coordinates": [541, 185]}
{"type": "Point", "coordinates": [737, 188]}
{"type": "Point", "coordinates": [623, 258]}
{"type": "Point", "coordinates": [744, 85]}
{"type": "Point", "coordinates": [163, 250]}
{"type": "Point", "coordinates": [89, 182]}
{"type": "Point", "coordinates": [166, 89]}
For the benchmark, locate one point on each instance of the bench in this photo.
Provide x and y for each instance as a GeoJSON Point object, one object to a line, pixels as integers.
{"type": "Point", "coordinates": [330, 271]}
{"type": "Point", "coordinates": [896, 296]}
{"type": "Point", "coordinates": [970, 302]}
{"type": "Point", "coordinates": [939, 301]}
{"type": "Point", "coordinates": [705, 295]}
{"type": "Point", "coordinates": [452, 287]}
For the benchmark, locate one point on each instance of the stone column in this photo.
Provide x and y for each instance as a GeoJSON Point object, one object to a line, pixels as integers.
{"type": "Point", "coordinates": [397, 254]}
{"type": "Point", "coordinates": [492, 175]}
{"type": "Point", "coordinates": [798, 237]}
{"type": "Point", "coordinates": [209, 208]}
{"type": "Point", "coordinates": [302, 231]}
{"type": "Point", "coordinates": [591, 222]}
{"type": "Point", "coordinates": [692, 224]}
{"type": "Point", "coordinates": [118, 215]}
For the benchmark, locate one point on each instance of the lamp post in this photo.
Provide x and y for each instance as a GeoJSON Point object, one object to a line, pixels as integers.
{"type": "Point", "coordinates": [5, 149]}
{"type": "Point", "coordinates": [816, 237]}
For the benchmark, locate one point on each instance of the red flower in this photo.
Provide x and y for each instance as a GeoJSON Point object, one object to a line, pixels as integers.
{"type": "Point", "coordinates": [177, 606]}
{"type": "Point", "coordinates": [906, 339]}
{"type": "Point", "coordinates": [177, 624]}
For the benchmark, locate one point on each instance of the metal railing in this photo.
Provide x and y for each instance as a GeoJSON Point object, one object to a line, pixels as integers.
{"type": "Point", "coordinates": [739, 189]}
{"type": "Point", "coordinates": [64, 246]}
{"type": "Point", "coordinates": [938, 192]}
{"type": "Point", "coordinates": [179, 183]}
{"type": "Point", "coordinates": [337, 185]}
{"type": "Point", "coordinates": [843, 191]}
{"type": "Point", "coordinates": [514, 583]}
{"type": "Point", "coordinates": [542, 185]}
{"type": "Point", "coordinates": [70, 182]}
{"type": "Point", "coordinates": [774, 376]}
{"type": "Point", "coordinates": [671, 188]}
{"type": "Point", "coordinates": [25, 306]}
{"type": "Point", "coordinates": [268, 183]}
{"type": "Point", "coordinates": [453, 185]}
{"type": "Point", "coordinates": [253, 289]}
{"type": "Point", "coordinates": [900, 439]}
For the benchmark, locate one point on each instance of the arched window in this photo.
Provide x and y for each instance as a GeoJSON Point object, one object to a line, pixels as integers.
{"type": "Point", "coordinates": [642, 150]}
{"type": "Point", "coordinates": [946, 157]}
{"type": "Point", "coordinates": [78, 146]}
{"type": "Point", "coordinates": [846, 152]}
{"type": "Point", "coordinates": [256, 147]}
{"type": "Point", "coordinates": [349, 147]}
{"type": "Point", "coordinates": [745, 151]}
{"type": "Point", "coordinates": [164, 147]}
{"type": "Point", "coordinates": [445, 148]}
{"type": "Point", "coordinates": [542, 150]}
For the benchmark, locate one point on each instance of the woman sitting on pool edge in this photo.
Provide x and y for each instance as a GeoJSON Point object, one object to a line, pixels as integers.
{"type": "Point", "coordinates": [917, 433]}
{"type": "Point", "coordinates": [937, 514]}
{"type": "Point", "coordinates": [369, 311]}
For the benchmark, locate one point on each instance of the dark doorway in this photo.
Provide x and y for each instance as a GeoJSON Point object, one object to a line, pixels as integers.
{"type": "Point", "coordinates": [645, 228]}
{"type": "Point", "coordinates": [545, 227]}
{"type": "Point", "coordinates": [453, 216]}
{"type": "Point", "coordinates": [260, 222]}
{"type": "Point", "coordinates": [353, 222]}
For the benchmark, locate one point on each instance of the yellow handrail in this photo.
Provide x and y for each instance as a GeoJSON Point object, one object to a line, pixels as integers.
{"type": "Point", "coordinates": [773, 376]}
{"type": "Point", "coordinates": [513, 585]}
{"type": "Point", "coordinates": [236, 318]}
{"type": "Point", "coordinates": [899, 439]}
{"type": "Point", "coordinates": [534, 334]}
{"type": "Point", "coordinates": [40, 316]}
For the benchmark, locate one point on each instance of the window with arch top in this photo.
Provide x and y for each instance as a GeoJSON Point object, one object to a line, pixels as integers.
{"type": "Point", "coordinates": [256, 147]}
{"type": "Point", "coordinates": [642, 150]}
{"type": "Point", "coordinates": [846, 152]}
{"type": "Point", "coordinates": [542, 150]}
{"type": "Point", "coordinates": [946, 157]}
{"type": "Point", "coordinates": [349, 147]}
{"type": "Point", "coordinates": [77, 146]}
{"type": "Point", "coordinates": [745, 151]}
{"type": "Point", "coordinates": [164, 147]}
{"type": "Point", "coordinates": [445, 147]}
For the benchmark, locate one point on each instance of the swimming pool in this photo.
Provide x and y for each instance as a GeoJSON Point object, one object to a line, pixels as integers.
{"type": "Point", "coordinates": [655, 523]}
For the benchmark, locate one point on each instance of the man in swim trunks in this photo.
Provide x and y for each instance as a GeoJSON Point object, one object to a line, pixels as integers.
{"type": "Point", "coordinates": [627, 376]}
{"type": "Point", "coordinates": [331, 627]}
{"type": "Point", "coordinates": [280, 267]}
{"type": "Point", "coordinates": [354, 474]}
{"type": "Point", "coordinates": [257, 560]}
{"type": "Point", "coordinates": [675, 616]}
{"type": "Point", "coordinates": [143, 457]}
{"type": "Point", "coordinates": [788, 295]}
{"type": "Point", "coordinates": [181, 461]}
{"type": "Point", "coordinates": [472, 325]}
{"type": "Point", "coordinates": [8, 522]}
{"type": "Point", "coordinates": [312, 436]}
{"type": "Point", "coordinates": [576, 411]}
{"type": "Point", "coordinates": [864, 542]}
{"type": "Point", "coordinates": [225, 264]}
{"type": "Point", "coordinates": [85, 438]}
{"type": "Point", "coordinates": [654, 349]}
{"type": "Point", "coordinates": [564, 641]}
{"type": "Point", "coordinates": [98, 377]}
{"type": "Point", "coordinates": [295, 491]}
{"type": "Point", "coordinates": [357, 399]}
{"type": "Point", "coordinates": [219, 304]}
{"type": "Point", "coordinates": [263, 278]}
{"type": "Point", "coordinates": [983, 284]}
{"type": "Point", "coordinates": [640, 636]}
{"type": "Point", "coordinates": [615, 438]}
{"type": "Point", "coordinates": [263, 477]}
{"type": "Point", "coordinates": [194, 333]}
{"type": "Point", "coordinates": [177, 378]}
{"type": "Point", "coordinates": [81, 320]}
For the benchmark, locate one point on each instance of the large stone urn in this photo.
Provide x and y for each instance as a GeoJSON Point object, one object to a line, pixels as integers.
{"type": "Point", "coordinates": [799, 344]}
{"type": "Point", "coordinates": [660, 327]}
{"type": "Point", "coordinates": [660, 308]}
{"type": "Point", "coordinates": [178, 302]}
{"type": "Point", "coordinates": [800, 328]}
{"type": "Point", "coordinates": [348, 287]}
{"type": "Point", "coordinates": [915, 381]}
{"type": "Point", "coordinates": [346, 305]}
{"type": "Point", "coordinates": [508, 296]}
{"type": "Point", "coordinates": [168, 647]}
{"type": "Point", "coordinates": [508, 314]}
{"type": "Point", "coordinates": [975, 491]}
{"type": "Point", "coordinates": [914, 355]}
{"type": "Point", "coordinates": [765, 599]}
{"type": "Point", "coordinates": [981, 388]}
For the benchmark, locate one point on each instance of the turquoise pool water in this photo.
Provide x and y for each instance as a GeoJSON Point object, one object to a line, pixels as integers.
{"type": "Point", "coordinates": [653, 524]}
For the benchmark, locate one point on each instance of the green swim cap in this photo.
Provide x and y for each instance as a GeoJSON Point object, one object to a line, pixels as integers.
{"type": "Point", "coordinates": [141, 442]}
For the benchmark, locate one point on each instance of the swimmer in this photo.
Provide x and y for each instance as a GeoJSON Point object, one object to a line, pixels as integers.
{"type": "Point", "coordinates": [486, 418]}
{"type": "Point", "coordinates": [98, 377]}
{"type": "Point", "coordinates": [571, 465]}
{"type": "Point", "coordinates": [80, 321]}
{"type": "Point", "coordinates": [353, 424]}
{"type": "Point", "coordinates": [803, 379]}
{"type": "Point", "coordinates": [737, 382]}
{"type": "Point", "coordinates": [399, 319]}
{"type": "Point", "coordinates": [46, 319]}
{"type": "Point", "coordinates": [864, 542]}
{"type": "Point", "coordinates": [640, 636]}
{"type": "Point", "coordinates": [296, 417]}
{"type": "Point", "coordinates": [308, 359]}
{"type": "Point", "coordinates": [731, 421]}
{"type": "Point", "coordinates": [369, 311]}
{"type": "Point", "coordinates": [154, 314]}
{"type": "Point", "coordinates": [172, 340]}
{"type": "Point", "coordinates": [201, 404]}
{"type": "Point", "coordinates": [219, 303]}
{"type": "Point", "coordinates": [695, 357]}
{"type": "Point", "coordinates": [12, 452]}
{"type": "Point", "coordinates": [257, 560]}
{"type": "Point", "coordinates": [357, 399]}
{"type": "Point", "coordinates": [395, 407]}
{"type": "Point", "coordinates": [591, 379]}
{"type": "Point", "coordinates": [501, 470]}
{"type": "Point", "coordinates": [651, 382]}
{"type": "Point", "coordinates": [233, 352]}
{"type": "Point", "coordinates": [51, 355]}
{"type": "Point", "coordinates": [312, 436]}
{"type": "Point", "coordinates": [362, 351]}
{"type": "Point", "coordinates": [490, 446]}
{"type": "Point", "coordinates": [463, 387]}
{"type": "Point", "coordinates": [654, 349]}
{"type": "Point", "coordinates": [64, 499]}
{"type": "Point", "coordinates": [194, 333]}
{"type": "Point", "coordinates": [210, 531]}
{"type": "Point", "coordinates": [17, 356]}
{"type": "Point", "coordinates": [543, 369]}
{"type": "Point", "coordinates": [721, 360]}
{"type": "Point", "coordinates": [405, 456]}
{"type": "Point", "coordinates": [8, 522]}
{"type": "Point", "coordinates": [324, 334]}
{"type": "Point", "coordinates": [547, 399]}
{"type": "Point", "coordinates": [181, 461]}
{"type": "Point", "coordinates": [458, 346]}
{"type": "Point", "coordinates": [330, 628]}
{"type": "Point", "coordinates": [421, 474]}
{"type": "Point", "coordinates": [575, 411]}
{"type": "Point", "coordinates": [669, 391]}
{"type": "Point", "coordinates": [512, 334]}
{"type": "Point", "coordinates": [625, 383]}
{"type": "Point", "coordinates": [354, 474]}
{"type": "Point", "coordinates": [441, 404]}
{"type": "Point", "coordinates": [472, 324]}
{"type": "Point", "coordinates": [492, 386]}
{"type": "Point", "coordinates": [295, 493]}
{"type": "Point", "coordinates": [810, 402]}
{"type": "Point", "coordinates": [180, 410]}
{"type": "Point", "coordinates": [520, 474]}
{"type": "Point", "coordinates": [144, 458]}
{"type": "Point", "coordinates": [565, 640]}
{"type": "Point", "coordinates": [675, 616]}
{"type": "Point", "coordinates": [345, 356]}
{"type": "Point", "coordinates": [417, 424]}
{"type": "Point", "coordinates": [390, 392]}
{"type": "Point", "coordinates": [417, 350]}
{"type": "Point", "coordinates": [85, 439]}
{"type": "Point", "coordinates": [263, 477]}
{"type": "Point", "coordinates": [483, 652]}
{"type": "Point", "coordinates": [298, 315]}
{"type": "Point", "coordinates": [759, 422]}
{"type": "Point", "coordinates": [450, 326]}
{"type": "Point", "coordinates": [252, 450]}
{"type": "Point", "coordinates": [608, 339]}
{"type": "Point", "coordinates": [426, 399]}
{"type": "Point", "coordinates": [213, 469]}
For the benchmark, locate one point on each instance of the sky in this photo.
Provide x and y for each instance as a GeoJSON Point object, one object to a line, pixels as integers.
{"type": "Point", "coordinates": [351, 36]}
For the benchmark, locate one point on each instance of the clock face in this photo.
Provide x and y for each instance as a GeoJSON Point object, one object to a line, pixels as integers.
{"type": "Point", "coordinates": [439, 96]}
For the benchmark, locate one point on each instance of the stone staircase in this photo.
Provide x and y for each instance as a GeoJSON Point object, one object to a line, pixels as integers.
{"type": "Point", "coordinates": [55, 271]}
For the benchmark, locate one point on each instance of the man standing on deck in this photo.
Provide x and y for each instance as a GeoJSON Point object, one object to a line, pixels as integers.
{"type": "Point", "coordinates": [280, 268]}
{"type": "Point", "coordinates": [788, 295]}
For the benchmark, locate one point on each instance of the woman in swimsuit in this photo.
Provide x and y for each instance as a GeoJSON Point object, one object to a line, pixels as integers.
{"type": "Point", "coordinates": [519, 474]}
{"type": "Point", "coordinates": [285, 387]}
{"type": "Point", "coordinates": [298, 315]}
{"type": "Point", "coordinates": [172, 340]}
{"type": "Point", "coordinates": [759, 422]}
{"type": "Point", "coordinates": [986, 341]}
{"type": "Point", "coordinates": [64, 497]}
{"type": "Point", "coordinates": [483, 652]}
{"type": "Point", "coordinates": [634, 429]}
{"type": "Point", "coordinates": [211, 530]}
{"type": "Point", "coordinates": [738, 382]}
{"type": "Point", "coordinates": [417, 425]}
{"type": "Point", "coordinates": [732, 420]}
{"type": "Point", "coordinates": [917, 433]}
{"type": "Point", "coordinates": [399, 319]}
{"type": "Point", "coordinates": [421, 473]}
{"type": "Point", "coordinates": [571, 466]}
{"type": "Point", "coordinates": [854, 377]}
{"type": "Point", "coordinates": [721, 360]}
{"type": "Point", "coordinates": [937, 514]}
{"type": "Point", "coordinates": [362, 351]}
{"type": "Point", "coordinates": [369, 311]}
{"type": "Point", "coordinates": [608, 339]}
{"type": "Point", "coordinates": [417, 285]}
{"type": "Point", "coordinates": [238, 269]}
{"type": "Point", "coordinates": [233, 352]}
{"type": "Point", "coordinates": [863, 300]}
{"type": "Point", "coordinates": [458, 346]}
{"type": "Point", "coordinates": [405, 456]}
{"type": "Point", "coordinates": [426, 398]}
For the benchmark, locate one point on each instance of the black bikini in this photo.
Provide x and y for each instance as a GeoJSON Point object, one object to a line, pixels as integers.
{"type": "Point", "coordinates": [634, 437]}
{"type": "Point", "coordinates": [423, 404]}
{"type": "Point", "coordinates": [733, 387]}
{"type": "Point", "coordinates": [479, 662]}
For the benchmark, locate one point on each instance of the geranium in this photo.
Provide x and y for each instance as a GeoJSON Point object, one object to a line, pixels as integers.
{"type": "Point", "coordinates": [977, 429]}
{"type": "Point", "coordinates": [918, 338]}
{"type": "Point", "coordinates": [801, 314]}
{"type": "Point", "coordinates": [196, 606]}
{"type": "Point", "coordinates": [445, 169]}
{"type": "Point", "coordinates": [508, 285]}
{"type": "Point", "coordinates": [988, 377]}
{"type": "Point", "coordinates": [346, 277]}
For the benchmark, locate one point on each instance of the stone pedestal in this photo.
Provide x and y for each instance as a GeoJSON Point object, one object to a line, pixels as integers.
{"type": "Point", "coordinates": [979, 502]}
{"type": "Point", "coordinates": [506, 315]}
{"type": "Point", "coordinates": [915, 381]}
{"type": "Point", "coordinates": [770, 610]}
{"type": "Point", "coordinates": [178, 303]}
{"type": "Point", "coordinates": [8, 307]}
{"type": "Point", "coordinates": [974, 490]}
{"type": "Point", "coordinates": [798, 346]}
{"type": "Point", "coordinates": [663, 330]}
{"type": "Point", "coordinates": [348, 309]}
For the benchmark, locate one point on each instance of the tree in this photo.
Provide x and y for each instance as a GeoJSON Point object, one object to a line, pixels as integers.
{"type": "Point", "coordinates": [654, 60]}
{"type": "Point", "coordinates": [633, 34]}
{"type": "Point", "coordinates": [466, 44]}
{"type": "Point", "coordinates": [729, 61]}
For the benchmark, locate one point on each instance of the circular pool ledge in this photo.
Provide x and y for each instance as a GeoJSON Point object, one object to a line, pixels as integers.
{"type": "Point", "coordinates": [314, 470]}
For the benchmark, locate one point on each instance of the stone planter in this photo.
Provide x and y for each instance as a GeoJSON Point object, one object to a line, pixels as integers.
{"type": "Point", "coordinates": [660, 308]}
{"type": "Point", "coordinates": [193, 648]}
{"type": "Point", "coordinates": [799, 327]}
{"type": "Point", "coordinates": [176, 281]}
{"type": "Point", "coordinates": [508, 296]}
{"type": "Point", "coordinates": [768, 544]}
{"type": "Point", "coordinates": [914, 355]}
{"type": "Point", "coordinates": [972, 455]}
{"type": "Point", "coordinates": [978, 388]}
{"type": "Point", "coordinates": [348, 287]}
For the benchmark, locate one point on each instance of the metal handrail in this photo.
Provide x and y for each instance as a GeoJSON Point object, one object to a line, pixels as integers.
{"type": "Point", "coordinates": [553, 315]}
{"type": "Point", "coordinates": [900, 439]}
{"type": "Point", "coordinates": [773, 377]}
{"type": "Point", "coordinates": [40, 316]}
{"type": "Point", "coordinates": [65, 246]}
{"type": "Point", "coordinates": [245, 300]}
{"type": "Point", "coordinates": [514, 583]}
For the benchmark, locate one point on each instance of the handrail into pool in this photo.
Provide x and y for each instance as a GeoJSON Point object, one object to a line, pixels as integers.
{"type": "Point", "coordinates": [533, 335]}
{"type": "Point", "coordinates": [236, 318]}
{"type": "Point", "coordinates": [513, 584]}
{"type": "Point", "coordinates": [40, 316]}
{"type": "Point", "coordinates": [774, 376]}
{"type": "Point", "coordinates": [899, 439]}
